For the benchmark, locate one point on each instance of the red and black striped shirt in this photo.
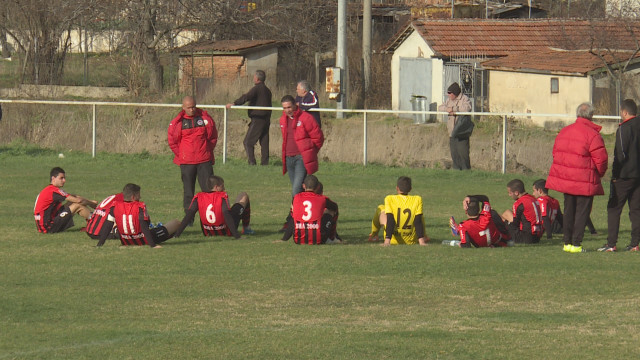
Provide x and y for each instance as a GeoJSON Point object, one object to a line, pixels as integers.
{"type": "Point", "coordinates": [308, 208]}
{"type": "Point", "coordinates": [101, 214]}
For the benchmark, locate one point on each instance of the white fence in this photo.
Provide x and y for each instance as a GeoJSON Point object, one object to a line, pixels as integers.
{"type": "Point", "coordinates": [365, 113]}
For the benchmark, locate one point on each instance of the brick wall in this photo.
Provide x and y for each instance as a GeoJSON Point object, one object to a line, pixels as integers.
{"type": "Point", "coordinates": [222, 68]}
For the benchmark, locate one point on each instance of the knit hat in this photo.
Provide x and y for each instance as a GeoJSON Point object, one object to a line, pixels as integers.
{"type": "Point", "coordinates": [454, 89]}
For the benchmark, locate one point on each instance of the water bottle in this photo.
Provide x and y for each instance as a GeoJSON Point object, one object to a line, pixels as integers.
{"type": "Point", "coordinates": [451, 242]}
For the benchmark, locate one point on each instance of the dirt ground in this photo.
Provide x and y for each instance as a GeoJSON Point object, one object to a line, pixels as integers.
{"type": "Point", "coordinates": [394, 142]}
{"type": "Point", "coordinates": [390, 141]}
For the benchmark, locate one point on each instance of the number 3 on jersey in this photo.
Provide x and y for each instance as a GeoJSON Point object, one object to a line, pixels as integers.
{"type": "Point", "coordinates": [307, 210]}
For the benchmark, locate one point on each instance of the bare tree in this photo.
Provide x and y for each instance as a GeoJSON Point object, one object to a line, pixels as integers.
{"type": "Point", "coordinates": [305, 26]}
{"type": "Point", "coordinates": [42, 31]}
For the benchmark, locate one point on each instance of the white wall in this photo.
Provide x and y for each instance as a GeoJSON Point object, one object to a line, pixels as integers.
{"type": "Point", "coordinates": [107, 41]}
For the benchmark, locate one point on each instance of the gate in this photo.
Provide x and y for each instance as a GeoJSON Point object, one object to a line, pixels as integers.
{"type": "Point", "coordinates": [473, 81]}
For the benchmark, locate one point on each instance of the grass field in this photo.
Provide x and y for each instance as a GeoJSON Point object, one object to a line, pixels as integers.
{"type": "Point", "coordinates": [256, 298]}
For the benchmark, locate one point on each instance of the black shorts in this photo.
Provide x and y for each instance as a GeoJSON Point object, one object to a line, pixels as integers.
{"type": "Point", "coordinates": [113, 234]}
{"type": "Point", "coordinates": [62, 221]}
{"type": "Point", "coordinates": [521, 237]}
{"type": "Point", "coordinates": [236, 213]}
{"type": "Point", "coordinates": [160, 234]}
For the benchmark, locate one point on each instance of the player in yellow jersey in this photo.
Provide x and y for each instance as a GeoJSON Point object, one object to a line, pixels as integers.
{"type": "Point", "coordinates": [375, 224]}
{"type": "Point", "coordinates": [402, 216]}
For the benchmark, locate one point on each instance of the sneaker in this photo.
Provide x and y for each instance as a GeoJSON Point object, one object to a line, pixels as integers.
{"type": "Point", "coordinates": [607, 248]}
{"type": "Point", "coordinates": [577, 249]}
{"type": "Point", "coordinates": [248, 231]}
{"type": "Point", "coordinates": [567, 247]}
{"type": "Point", "coordinates": [373, 238]}
{"type": "Point", "coordinates": [454, 226]}
{"type": "Point", "coordinates": [633, 248]}
{"type": "Point", "coordinates": [333, 241]}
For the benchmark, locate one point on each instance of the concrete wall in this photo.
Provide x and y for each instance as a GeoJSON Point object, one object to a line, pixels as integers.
{"type": "Point", "coordinates": [266, 60]}
{"type": "Point", "coordinates": [523, 92]}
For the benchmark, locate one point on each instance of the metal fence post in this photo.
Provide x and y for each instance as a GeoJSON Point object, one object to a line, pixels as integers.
{"type": "Point", "coordinates": [504, 144]}
{"type": "Point", "coordinates": [224, 136]}
{"type": "Point", "coordinates": [93, 135]}
{"type": "Point", "coordinates": [364, 140]}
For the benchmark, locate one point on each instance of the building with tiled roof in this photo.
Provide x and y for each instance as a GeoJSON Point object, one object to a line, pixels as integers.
{"type": "Point", "coordinates": [204, 64]}
{"type": "Point", "coordinates": [537, 66]}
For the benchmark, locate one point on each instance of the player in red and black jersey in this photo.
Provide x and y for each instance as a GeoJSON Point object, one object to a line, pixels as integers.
{"type": "Point", "coordinates": [313, 214]}
{"type": "Point", "coordinates": [523, 220]}
{"type": "Point", "coordinates": [549, 208]}
{"type": "Point", "coordinates": [95, 225]}
{"type": "Point", "coordinates": [332, 237]}
{"type": "Point", "coordinates": [480, 229]}
{"type": "Point", "coordinates": [50, 214]}
{"type": "Point", "coordinates": [216, 217]}
{"type": "Point", "coordinates": [133, 222]}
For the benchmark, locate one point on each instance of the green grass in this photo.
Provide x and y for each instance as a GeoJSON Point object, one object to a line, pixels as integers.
{"type": "Point", "coordinates": [254, 298]}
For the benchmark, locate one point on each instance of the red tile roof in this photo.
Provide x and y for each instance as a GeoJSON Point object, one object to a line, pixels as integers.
{"type": "Point", "coordinates": [230, 46]}
{"type": "Point", "coordinates": [495, 37]}
{"type": "Point", "coordinates": [557, 61]}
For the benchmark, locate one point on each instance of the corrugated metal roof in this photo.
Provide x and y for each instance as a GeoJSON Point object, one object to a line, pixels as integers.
{"type": "Point", "coordinates": [230, 46]}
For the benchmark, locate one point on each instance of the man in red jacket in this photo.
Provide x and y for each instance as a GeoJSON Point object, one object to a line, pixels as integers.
{"type": "Point", "coordinates": [579, 162]}
{"type": "Point", "coordinates": [302, 138]}
{"type": "Point", "coordinates": [192, 137]}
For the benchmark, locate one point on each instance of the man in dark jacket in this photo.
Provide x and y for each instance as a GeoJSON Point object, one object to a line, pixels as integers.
{"type": "Point", "coordinates": [259, 95]}
{"type": "Point", "coordinates": [307, 99]}
{"type": "Point", "coordinates": [625, 178]}
{"type": "Point", "coordinates": [192, 136]}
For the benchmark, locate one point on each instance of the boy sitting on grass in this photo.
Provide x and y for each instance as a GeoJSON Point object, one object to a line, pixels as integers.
{"type": "Point", "coordinates": [523, 220]}
{"type": "Point", "coordinates": [132, 221]}
{"type": "Point", "coordinates": [549, 208]}
{"type": "Point", "coordinates": [216, 217]}
{"type": "Point", "coordinates": [402, 217]}
{"type": "Point", "coordinates": [480, 229]}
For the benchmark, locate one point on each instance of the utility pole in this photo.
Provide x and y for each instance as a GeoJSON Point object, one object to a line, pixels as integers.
{"type": "Point", "coordinates": [341, 57]}
{"type": "Point", "coordinates": [366, 49]}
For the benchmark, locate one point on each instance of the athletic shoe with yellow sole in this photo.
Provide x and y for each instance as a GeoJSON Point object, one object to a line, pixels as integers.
{"type": "Point", "coordinates": [577, 249]}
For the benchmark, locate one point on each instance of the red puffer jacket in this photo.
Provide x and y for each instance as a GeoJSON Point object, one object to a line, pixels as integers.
{"type": "Point", "coordinates": [309, 139]}
{"type": "Point", "coordinates": [579, 160]}
{"type": "Point", "coordinates": [192, 139]}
